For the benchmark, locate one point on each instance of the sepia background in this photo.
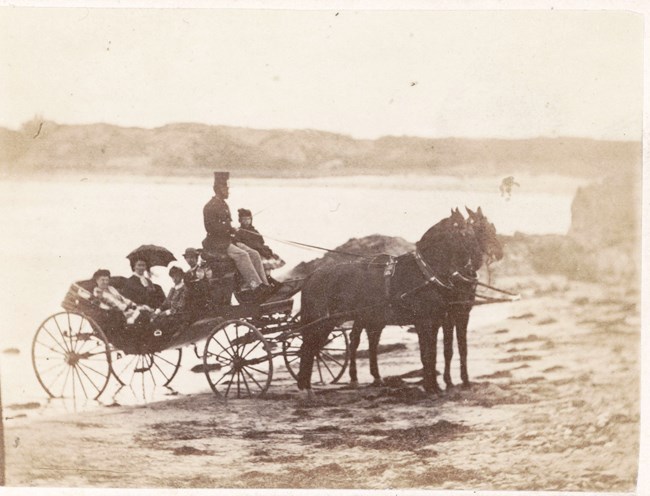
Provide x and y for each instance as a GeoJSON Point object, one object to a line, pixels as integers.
{"type": "Point", "coordinates": [335, 126]}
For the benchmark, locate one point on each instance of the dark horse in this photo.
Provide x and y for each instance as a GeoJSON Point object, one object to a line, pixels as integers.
{"type": "Point", "coordinates": [465, 293]}
{"type": "Point", "coordinates": [417, 294]}
{"type": "Point", "coordinates": [486, 245]}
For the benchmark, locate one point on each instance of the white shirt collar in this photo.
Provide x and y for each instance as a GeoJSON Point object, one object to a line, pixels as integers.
{"type": "Point", "coordinates": [179, 285]}
{"type": "Point", "coordinates": [143, 279]}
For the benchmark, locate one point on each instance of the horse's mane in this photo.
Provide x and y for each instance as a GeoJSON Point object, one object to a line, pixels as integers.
{"type": "Point", "coordinates": [434, 234]}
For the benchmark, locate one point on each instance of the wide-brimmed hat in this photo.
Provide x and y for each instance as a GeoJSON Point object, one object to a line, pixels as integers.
{"type": "Point", "coordinates": [191, 252]}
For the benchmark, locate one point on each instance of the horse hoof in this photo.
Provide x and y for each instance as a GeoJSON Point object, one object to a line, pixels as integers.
{"type": "Point", "coordinates": [466, 385]}
{"type": "Point", "coordinates": [307, 398]}
{"type": "Point", "coordinates": [354, 384]}
{"type": "Point", "coordinates": [434, 391]}
{"type": "Point", "coordinates": [449, 386]}
{"type": "Point", "coordinates": [377, 383]}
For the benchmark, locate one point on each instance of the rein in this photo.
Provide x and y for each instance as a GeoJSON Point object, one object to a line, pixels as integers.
{"type": "Point", "coordinates": [313, 247]}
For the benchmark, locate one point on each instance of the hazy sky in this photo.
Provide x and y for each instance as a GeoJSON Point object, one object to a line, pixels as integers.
{"type": "Point", "coordinates": [463, 73]}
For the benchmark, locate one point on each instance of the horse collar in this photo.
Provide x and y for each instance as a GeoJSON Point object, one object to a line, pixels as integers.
{"type": "Point", "coordinates": [427, 271]}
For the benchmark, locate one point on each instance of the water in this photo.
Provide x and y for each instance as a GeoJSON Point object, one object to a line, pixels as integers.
{"type": "Point", "coordinates": [58, 231]}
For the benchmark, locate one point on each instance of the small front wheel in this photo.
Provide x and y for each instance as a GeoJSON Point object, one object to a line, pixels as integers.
{"type": "Point", "coordinates": [237, 360]}
{"type": "Point", "coordinates": [331, 360]}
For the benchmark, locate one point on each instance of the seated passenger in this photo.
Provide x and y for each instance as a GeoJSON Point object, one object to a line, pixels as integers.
{"type": "Point", "coordinates": [175, 301]}
{"type": "Point", "coordinates": [109, 297]}
{"type": "Point", "coordinates": [140, 288]}
{"type": "Point", "coordinates": [191, 256]}
{"type": "Point", "coordinates": [249, 236]}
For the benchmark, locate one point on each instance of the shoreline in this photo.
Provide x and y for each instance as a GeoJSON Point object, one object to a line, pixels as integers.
{"type": "Point", "coordinates": [530, 183]}
{"type": "Point", "coordinates": [532, 399]}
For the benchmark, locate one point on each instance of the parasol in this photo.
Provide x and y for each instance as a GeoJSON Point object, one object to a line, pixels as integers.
{"type": "Point", "coordinates": [152, 254]}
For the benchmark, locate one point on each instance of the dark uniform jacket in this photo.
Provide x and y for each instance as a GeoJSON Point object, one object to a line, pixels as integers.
{"type": "Point", "coordinates": [217, 222]}
{"type": "Point", "coordinates": [253, 239]}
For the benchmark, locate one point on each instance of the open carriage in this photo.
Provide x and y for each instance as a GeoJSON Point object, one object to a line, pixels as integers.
{"type": "Point", "coordinates": [75, 352]}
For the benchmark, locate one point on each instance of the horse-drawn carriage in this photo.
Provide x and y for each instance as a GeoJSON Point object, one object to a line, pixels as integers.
{"type": "Point", "coordinates": [75, 352]}
{"type": "Point", "coordinates": [431, 287]}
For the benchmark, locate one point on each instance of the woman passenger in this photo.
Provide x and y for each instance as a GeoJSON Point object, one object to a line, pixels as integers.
{"type": "Point", "coordinates": [140, 288]}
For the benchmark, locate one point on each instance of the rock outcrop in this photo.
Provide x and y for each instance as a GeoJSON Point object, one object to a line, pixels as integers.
{"type": "Point", "coordinates": [375, 244]}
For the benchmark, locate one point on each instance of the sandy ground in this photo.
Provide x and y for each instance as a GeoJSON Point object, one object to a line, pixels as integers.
{"type": "Point", "coordinates": [554, 406]}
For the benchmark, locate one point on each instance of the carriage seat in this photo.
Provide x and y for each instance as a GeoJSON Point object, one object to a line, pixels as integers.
{"type": "Point", "coordinates": [220, 263]}
{"type": "Point", "coordinates": [80, 293]}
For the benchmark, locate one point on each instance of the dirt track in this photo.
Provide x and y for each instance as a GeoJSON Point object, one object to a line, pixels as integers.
{"type": "Point", "coordinates": [555, 399]}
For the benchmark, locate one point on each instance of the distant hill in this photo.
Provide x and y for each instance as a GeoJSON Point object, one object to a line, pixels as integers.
{"type": "Point", "coordinates": [197, 149]}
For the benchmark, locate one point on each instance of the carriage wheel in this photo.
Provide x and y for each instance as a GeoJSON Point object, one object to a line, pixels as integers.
{"type": "Point", "coordinates": [237, 360]}
{"type": "Point", "coordinates": [71, 357]}
{"type": "Point", "coordinates": [147, 370]}
{"type": "Point", "coordinates": [331, 361]}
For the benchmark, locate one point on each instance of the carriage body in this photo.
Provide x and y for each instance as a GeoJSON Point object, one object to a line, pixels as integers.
{"type": "Point", "coordinates": [94, 342]}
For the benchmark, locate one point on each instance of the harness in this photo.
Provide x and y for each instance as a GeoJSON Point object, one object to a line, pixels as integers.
{"type": "Point", "coordinates": [425, 269]}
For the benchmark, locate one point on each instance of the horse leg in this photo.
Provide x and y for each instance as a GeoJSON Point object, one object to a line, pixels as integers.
{"type": "Point", "coordinates": [374, 333]}
{"type": "Point", "coordinates": [448, 338]}
{"type": "Point", "coordinates": [426, 341]}
{"type": "Point", "coordinates": [355, 338]}
{"type": "Point", "coordinates": [308, 351]}
{"type": "Point", "coordinates": [461, 329]}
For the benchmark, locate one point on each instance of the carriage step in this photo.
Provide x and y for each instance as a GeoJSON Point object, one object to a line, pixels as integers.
{"type": "Point", "coordinates": [200, 368]}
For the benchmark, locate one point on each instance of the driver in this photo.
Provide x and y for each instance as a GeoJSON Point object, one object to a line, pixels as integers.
{"type": "Point", "coordinates": [217, 221]}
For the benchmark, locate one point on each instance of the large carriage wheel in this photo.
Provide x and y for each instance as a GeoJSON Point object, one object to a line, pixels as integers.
{"type": "Point", "coordinates": [237, 360]}
{"type": "Point", "coordinates": [331, 361]}
{"type": "Point", "coordinates": [147, 370]}
{"type": "Point", "coordinates": [71, 356]}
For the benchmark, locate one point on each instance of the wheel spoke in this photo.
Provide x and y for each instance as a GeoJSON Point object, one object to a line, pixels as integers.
{"type": "Point", "coordinates": [230, 382]}
{"type": "Point", "coordinates": [219, 357]}
{"type": "Point", "coordinates": [81, 368]}
{"type": "Point", "coordinates": [61, 332]}
{"type": "Point", "coordinates": [49, 388]}
{"type": "Point", "coordinates": [327, 367]}
{"type": "Point", "coordinates": [74, 390]}
{"type": "Point", "coordinates": [257, 370]}
{"type": "Point", "coordinates": [98, 344]}
{"type": "Point", "coordinates": [73, 347]}
{"type": "Point", "coordinates": [128, 365]}
{"type": "Point", "coordinates": [225, 374]}
{"type": "Point", "coordinates": [225, 332]}
{"type": "Point", "coordinates": [137, 366]}
{"type": "Point", "coordinates": [332, 358]}
{"type": "Point", "coordinates": [255, 346]}
{"type": "Point", "coordinates": [83, 388]}
{"type": "Point", "coordinates": [320, 374]}
{"type": "Point", "coordinates": [165, 360]}
{"type": "Point", "coordinates": [51, 349]}
{"type": "Point", "coordinates": [223, 348]}
{"type": "Point", "coordinates": [152, 377]}
{"type": "Point", "coordinates": [246, 384]}
{"type": "Point", "coordinates": [54, 339]}
{"type": "Point", "coordinates": [95, 371]}
{"type": "Point", "coordinates": [167, 379]}
{"type": "Point", "coordinates": [43, 372]}
{"type": "Point", "coordinates": [253, 378]}
{"type": "Point", "coordinates": [238, 392]}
